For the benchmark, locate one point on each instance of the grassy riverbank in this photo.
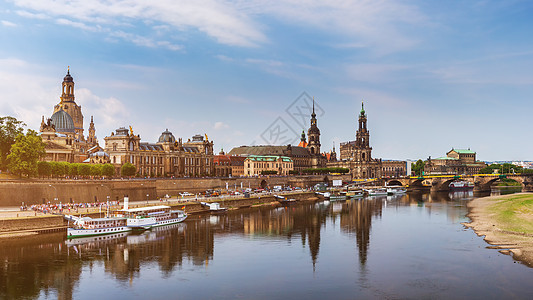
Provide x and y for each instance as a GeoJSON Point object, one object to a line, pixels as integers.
{"type": "Point", "coordinates": [514, 213]}
{"type": "Point", "coordinates": [505, 222]}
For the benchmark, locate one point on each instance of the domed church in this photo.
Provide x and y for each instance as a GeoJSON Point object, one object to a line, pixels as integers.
{"type": "Point", "coordinates": [63, 131]}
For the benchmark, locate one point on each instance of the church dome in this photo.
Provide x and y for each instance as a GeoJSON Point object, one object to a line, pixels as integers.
{"type": "Point", "coordinates": [68, 78]}
{"type": "Point", "coordinates": [62, 121]}
{"type": "Point", "coordinates": [167, 137]}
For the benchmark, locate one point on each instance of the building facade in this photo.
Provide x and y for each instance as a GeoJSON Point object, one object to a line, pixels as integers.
{"type": "Point", "coordinates": [456, 161]}
{"type": "Point", "coordinates": [168, 157]}
{"type": "Point", "coordinates": [393, 168]}
{"type": "Point", "coordinates": [255, 165]}
{"type": "Point", "coordinates": [63, 132]}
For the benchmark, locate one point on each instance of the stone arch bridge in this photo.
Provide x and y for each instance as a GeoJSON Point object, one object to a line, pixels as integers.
{"type": "Point", "coordinates": [481, 182]}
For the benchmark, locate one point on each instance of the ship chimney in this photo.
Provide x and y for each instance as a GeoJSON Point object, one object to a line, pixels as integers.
{"type": "Point", "coordinates": [126, 202]}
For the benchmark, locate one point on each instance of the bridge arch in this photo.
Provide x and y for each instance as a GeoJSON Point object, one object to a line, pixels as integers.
{"type": "Point", "coordinates": [264, 184]}
{"type": "Point", "coordinates": [394, 182]}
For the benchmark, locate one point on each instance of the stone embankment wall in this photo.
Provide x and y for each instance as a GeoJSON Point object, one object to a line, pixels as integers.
{"type": "Point", "coordinates": [40, 223]}
{"type": "Point", "coordinates": [14, 193]}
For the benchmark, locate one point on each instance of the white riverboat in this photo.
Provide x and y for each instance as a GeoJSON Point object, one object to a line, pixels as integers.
{"type": "Point", "coordinates": [152, 216]}
{"type": "Point", "coordinates": [87, 226]}
{"type": "Point", "coordinates": [377, 192]}
{"type": "Point", "coordinates": [395, 190]}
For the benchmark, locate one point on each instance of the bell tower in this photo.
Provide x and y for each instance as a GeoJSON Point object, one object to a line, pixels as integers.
{"type": "Point", "coordinates": [362, 137]}
{"type": "Point", "coordinates": [313, 134]}
{"type": "Point", "coordinates": [91, 139]}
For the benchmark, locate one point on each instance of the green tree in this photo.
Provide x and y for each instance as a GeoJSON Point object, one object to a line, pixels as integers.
{"type": "Point", "coordinates": [96, 170]}
{"type": "Point", "coordinates": [128, 169]}
{"type": "Point", "coordinates": [490, 169]}
{"type": "Point", "coordinates": [59, 168]}
{"type": "Point", "coordinates": [72, 170]}
{"type": "Point", "coordinates": [418, 167]}
{"type": "Point", "coordinates": [84, 169]}
{"type": "Point", "coordinates": [108, 170]}
{"type": "Point", "coordinates": [25, 153]}
{"type": "Point", "coordinates": [44, 169]}
{"type": "Point", "coordinates": [10, 128]}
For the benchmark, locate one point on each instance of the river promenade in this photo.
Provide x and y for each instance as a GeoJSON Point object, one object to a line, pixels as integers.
{"type": "Point", "coordinates": [15, 222]}
{"type": "Point", "coordinates": [506, 222]}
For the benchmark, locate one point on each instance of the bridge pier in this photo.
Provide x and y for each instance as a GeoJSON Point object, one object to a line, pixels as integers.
{"type": "Point", "coordinates": [527, 185]}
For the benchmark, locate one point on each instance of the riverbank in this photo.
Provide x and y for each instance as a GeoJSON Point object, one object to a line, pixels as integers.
{"type": "Point", "coordinates": [15, 224]}
{"type": "Point", "coordinates": [506, 222]}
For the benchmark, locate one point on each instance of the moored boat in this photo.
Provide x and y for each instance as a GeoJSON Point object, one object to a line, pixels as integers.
{"type": "Point", "coordinates": [377, 192]}
{"type": "Point", "coordinates": [461, 185]}
{"type": "Point", "coordinates": [88, 226]}
{"type": "Point", "coordinates": [395, 190]}
{"type": "Point", "coordinates": [338, 196]}
{"type": "Point", "coordinates": [152, 216]}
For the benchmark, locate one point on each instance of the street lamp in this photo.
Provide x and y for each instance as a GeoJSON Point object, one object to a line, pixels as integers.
{"type": "Point", "coordinates": [147, 195]}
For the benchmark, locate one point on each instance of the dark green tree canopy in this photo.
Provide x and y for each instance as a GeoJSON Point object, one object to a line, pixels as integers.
{"type": "Point", "coordinates": [418, 167]}
{"type": "Point", "coordinates": [10, 128]}
{"type": "Point", "coordinates": [128, 169]}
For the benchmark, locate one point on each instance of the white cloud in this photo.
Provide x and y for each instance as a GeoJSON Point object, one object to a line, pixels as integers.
{"type": "Point", "coordinates": [362, 24]}
{"type": "Point", "coordinates": [79, 25]}
{"type": "Point", "coordinates": [25, 95]}
{"type": "Point", "coordinates": [109, 113]}
{"type": "Point", "coordinates": [30, 15]}
{"type": "Point", "coordinates": [8, 24]}
{"type": "Point", "coordinates": [379, 25]}
{"type": "Point", "coordinates": [218, 20]}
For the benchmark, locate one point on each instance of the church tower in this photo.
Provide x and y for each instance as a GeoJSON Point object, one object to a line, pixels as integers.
{"type": "Point", "coordinates": [68, 104]}
{"type": "Point", "coordinates": [362, 137]}
{"type": "Point", "coordinates": [313, 134]}
{"type": "Point", "coordinates": [91, 139]}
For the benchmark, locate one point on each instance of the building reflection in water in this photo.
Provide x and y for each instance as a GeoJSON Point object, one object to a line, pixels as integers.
{"type": "Point", "coordinates": [50, 264]}
{"type": "Point", "coordinates": [356, 218]}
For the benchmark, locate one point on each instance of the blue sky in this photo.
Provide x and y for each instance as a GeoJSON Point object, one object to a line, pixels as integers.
{"type": "Point", "coordinates": [433, 74]}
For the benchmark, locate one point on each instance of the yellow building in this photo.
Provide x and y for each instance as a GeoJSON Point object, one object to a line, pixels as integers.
{"type": "Point", "coordinates": [257, 164]}
{"type": "Point", "coordinates": [167, 157]}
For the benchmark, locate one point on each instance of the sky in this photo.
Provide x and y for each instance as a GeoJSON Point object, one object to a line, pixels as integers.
{"type": "Point", "coordinates": [433, 75]}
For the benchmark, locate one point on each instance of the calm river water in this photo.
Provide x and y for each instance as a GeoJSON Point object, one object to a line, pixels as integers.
{"type": "Point", "coordinates": [411, 246]}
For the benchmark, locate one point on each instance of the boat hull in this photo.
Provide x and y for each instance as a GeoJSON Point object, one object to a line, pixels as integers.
{"type": "Point", "coordinates": [77, 233]}
{"type": "Point", "coordinates": [152, 222]}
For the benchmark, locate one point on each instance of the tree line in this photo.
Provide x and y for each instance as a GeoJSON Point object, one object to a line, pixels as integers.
{"type": "Point", "coordinates": [73, 170]}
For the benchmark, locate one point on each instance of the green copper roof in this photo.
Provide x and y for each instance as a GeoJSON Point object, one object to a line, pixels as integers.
{"type": "Point", "coordinates": [464, 151]}
{"type": "Point", "coordinates": [362, 108]}
{"type": "Point", "coordinates": [268, 158]}
{"type": "Point", "coordinates": [444, 158]}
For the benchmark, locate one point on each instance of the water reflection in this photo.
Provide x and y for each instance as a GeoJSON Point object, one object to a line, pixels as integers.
{"type": "Point", "coordinates": [45, 265]}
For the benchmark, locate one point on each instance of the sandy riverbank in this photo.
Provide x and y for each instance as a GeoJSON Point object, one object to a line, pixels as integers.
{"type": "Point", "coordinates": [506, 222]}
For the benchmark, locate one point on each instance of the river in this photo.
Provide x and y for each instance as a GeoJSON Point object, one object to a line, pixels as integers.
{"type": "Point", "coordinates": [409, 246]}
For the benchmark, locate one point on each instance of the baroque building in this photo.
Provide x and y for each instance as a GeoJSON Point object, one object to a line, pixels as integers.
{"type": "Point", "coordinates": [168, 157]}
{"type": "Point", "coordinates": [357, 155]}
{"type": "Point", "coordinates": [62, 133]}
{"type": "Point", "coordinates": [456, 161]}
